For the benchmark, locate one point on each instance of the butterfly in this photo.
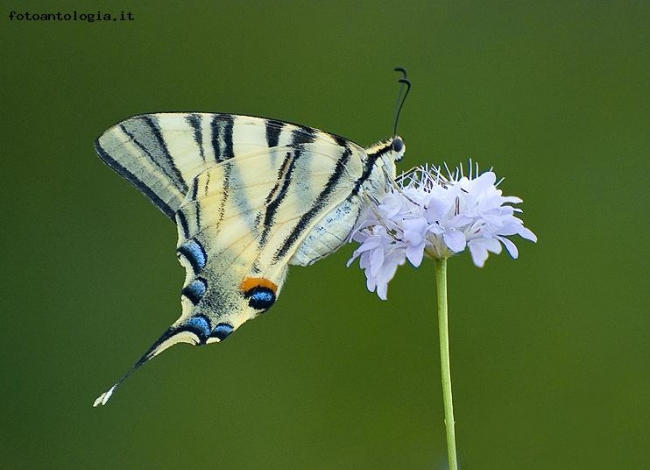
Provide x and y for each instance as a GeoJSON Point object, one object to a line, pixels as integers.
{"type": "Point", "coordinates": [249, 196]}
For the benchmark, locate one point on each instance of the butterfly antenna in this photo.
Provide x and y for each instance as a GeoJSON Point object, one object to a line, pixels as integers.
{"type": "Point", "coordinates": [401, 96]}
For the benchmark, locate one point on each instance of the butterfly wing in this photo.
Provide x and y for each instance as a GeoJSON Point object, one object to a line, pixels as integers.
{"type": "Point", "coordinates": [249, 196]}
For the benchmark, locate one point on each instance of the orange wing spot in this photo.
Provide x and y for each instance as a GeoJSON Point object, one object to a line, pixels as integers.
{"type": "Point", "coordinates": [251, 282]}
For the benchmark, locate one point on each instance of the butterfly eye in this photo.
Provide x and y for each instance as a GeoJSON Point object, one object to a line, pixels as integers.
{"type": "Point", "coordinates": [398, 144]}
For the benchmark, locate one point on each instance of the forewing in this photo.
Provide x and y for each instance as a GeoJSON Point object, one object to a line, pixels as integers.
{"type": "Point", "coordinates": [160, 154]}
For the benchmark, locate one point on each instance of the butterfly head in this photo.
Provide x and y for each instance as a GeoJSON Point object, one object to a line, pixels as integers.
{"type": "Point", "coordinates": [385, 154]}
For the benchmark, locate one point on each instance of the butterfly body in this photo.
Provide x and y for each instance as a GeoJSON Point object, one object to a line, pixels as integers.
{"type": "Point", "coordinates": [250, 196]}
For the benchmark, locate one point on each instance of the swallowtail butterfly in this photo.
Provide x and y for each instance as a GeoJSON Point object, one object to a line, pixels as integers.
{"type": "Point", "coordinates": [250, 196]}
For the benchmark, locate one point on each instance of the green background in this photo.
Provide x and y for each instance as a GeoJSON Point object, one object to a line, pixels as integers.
{"type": "Point", "coordinates": [550, 353]}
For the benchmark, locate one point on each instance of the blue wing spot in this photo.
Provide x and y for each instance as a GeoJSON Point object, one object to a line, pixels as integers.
{"type": "Point", "coordinates": [194, 252]}
{"type": "Point", "coordinates": [260, 297]}
{"type": "Point", "coordinates": [195, 290]}
{"type": "Point", "coordinates": [222, 330]}
{"type": "Point", "coordinates": [198, 325]}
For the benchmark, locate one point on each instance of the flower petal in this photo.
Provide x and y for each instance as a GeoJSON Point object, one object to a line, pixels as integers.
{"type": "Point", "coordinates": [437, 215]}
{"type": "Point", "coordinates": [455, 240]}
{"type": "Point", "coordinates": [510, 247]}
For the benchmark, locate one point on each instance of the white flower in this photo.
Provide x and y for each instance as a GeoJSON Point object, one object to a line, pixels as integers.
{"type": "Point", "coordinates": [429, 214]}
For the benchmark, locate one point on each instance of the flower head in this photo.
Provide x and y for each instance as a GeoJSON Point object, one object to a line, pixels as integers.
{"type": "Point", "coordinates": [437, 216]}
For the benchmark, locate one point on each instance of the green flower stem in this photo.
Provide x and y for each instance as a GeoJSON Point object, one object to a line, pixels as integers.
{"type": "Point", "coordinates": [443, 327]}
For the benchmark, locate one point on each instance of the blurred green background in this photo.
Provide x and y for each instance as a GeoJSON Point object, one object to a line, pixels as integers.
{"type": "Point", "coordinates": [550, 353]}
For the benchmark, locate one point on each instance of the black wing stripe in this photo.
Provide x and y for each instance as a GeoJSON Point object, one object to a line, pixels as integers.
{"type": "Point", "coordinates": [170, 168]}
{"type": "Point", "coordinates": [134, 180]}
{"type": "Point", "coordinates": [222, 128]}
{"type": "Point", "coordinates": [182, 223]}
{"type": "Point", "coordinates": [197, 207]}
{"type": "Point", "coordinates": [299, 138]}
{"type": "Point", "coordinates": [302, 135]}
{"type": "Point", "coordinates": [153, 148]}
{"type": "Point", "coordinates": [229, 125]}
{"type": "Point", "coordinates": [194, 120]}
{"type": "Point", "coordinates": [278, 193]}
{"type": "Point", "coordinates": [319, 204]}
{"type": "Point", "coordinates": [273, 131]}
{"type": "Point", "coordinates": [226, 193]}
{"type": "Point", "coordinates": [368, 167]}
{"type": "Point", "coordinates": [216, 146]}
